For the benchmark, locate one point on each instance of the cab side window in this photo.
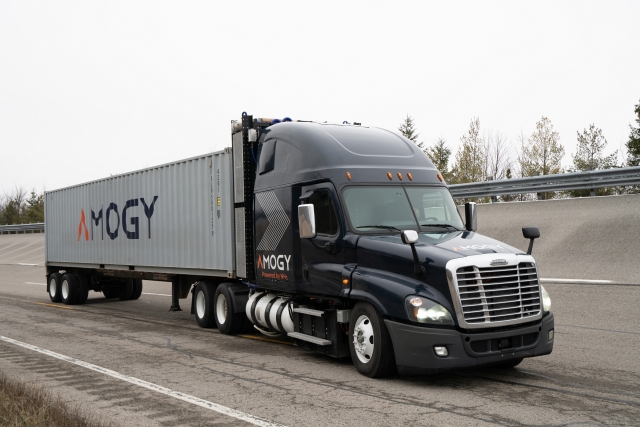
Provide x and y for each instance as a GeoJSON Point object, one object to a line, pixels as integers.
{"type": "Point", "coordinates": [326, 220]}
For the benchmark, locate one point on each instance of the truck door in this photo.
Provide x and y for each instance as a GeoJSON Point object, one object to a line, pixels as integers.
{"type": "Point", "coordinates": [323, 255]}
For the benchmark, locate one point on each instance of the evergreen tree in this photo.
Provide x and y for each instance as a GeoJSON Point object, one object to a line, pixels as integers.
{"type": "Point", "coordinates": [589, 157]}
{"type": "Point", "coordinates": [633, 145]}
{"type": "Point", "coordinates": [542, 152]}
{"type": "Point", "coordinates": [591, 144]}
{"type": "Point", "coordinates": [34, 209]}
{"type": "Point", "coordinates": [439, 153]}
{"type": "Point", "coordinates": [408, 130]}
{"type": "Point", "coordinates": [470, 158]}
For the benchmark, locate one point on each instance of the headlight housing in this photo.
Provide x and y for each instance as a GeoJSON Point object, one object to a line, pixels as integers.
{"type": "Point", "coordinates": [424, 310]}
{"type": "Point", "coordinates": [546, 301]}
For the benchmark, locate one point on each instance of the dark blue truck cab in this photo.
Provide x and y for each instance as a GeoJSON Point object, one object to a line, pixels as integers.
{"type": "Point", "coordinates": [349, 242]}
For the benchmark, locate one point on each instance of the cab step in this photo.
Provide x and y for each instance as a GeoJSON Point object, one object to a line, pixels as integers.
{"type": "Point", "coordinates": [309, 338]}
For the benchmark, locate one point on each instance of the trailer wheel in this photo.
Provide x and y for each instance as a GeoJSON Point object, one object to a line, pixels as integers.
{"type": "Point", "coordinates": [204, 306]}
{"type": "Point", "coordinates": [370, 343]}
{"type": "Point", "coordinates": [126, 290]}
{"type": "Point", "coordinates": [229, 323]}
{"type": "Point", "coordinates": [70, 289]}
{"type": "Point", "coordinates": [83, 283]}
{"type": "Point", "coordinates": [137, 289]}
{"type": "Point", "coordinates": [54, 287]}
{"type": "Point", "coordinates": [110, 293]}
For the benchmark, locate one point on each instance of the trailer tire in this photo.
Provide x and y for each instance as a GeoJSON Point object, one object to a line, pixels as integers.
{"type": "Point", "coordinates": [204, 304]}
{"type": "Point", "coordinates": [370, 343]}
{"type": "Point", "coordinates": [137, 289]}
{"type": "Point", "coordinates": [53, 287]}
{"type": "Point", "coordinates": [126, 290]}
{"type": "Point", "coordinates": [110, 293]}
{"type": "Point", "coordinates": [83, 283]}
{"type": "Point", "coordinates": [70, 289]}
{"type": "Point", "coordinates": [229, 323]}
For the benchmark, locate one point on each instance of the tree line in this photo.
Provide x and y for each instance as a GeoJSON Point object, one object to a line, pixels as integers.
{"type": "Point", "coordinates": [21, 207]}
{"type": "Point", "coordinates": [489, 156]}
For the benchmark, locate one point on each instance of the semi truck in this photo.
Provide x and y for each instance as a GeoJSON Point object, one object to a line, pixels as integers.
{"type": "Point", "coordinates": [343, 238]}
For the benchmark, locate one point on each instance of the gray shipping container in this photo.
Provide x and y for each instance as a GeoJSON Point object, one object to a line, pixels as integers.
{"type": "Point", "coordinates": [174, 218]}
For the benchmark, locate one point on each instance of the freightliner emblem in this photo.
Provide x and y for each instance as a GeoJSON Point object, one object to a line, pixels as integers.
{"type": "Point", "coordinates": [278, 221]}
{"type": "Point", "coordinates": [498, 262]}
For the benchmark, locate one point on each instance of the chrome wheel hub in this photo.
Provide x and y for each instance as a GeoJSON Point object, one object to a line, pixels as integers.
{"type": "Point", "coordinates": [363, 341]}
{"type": "Point", "coordinates": [221, 309]}
{"type": "Point", "coordinates": [200, 305]}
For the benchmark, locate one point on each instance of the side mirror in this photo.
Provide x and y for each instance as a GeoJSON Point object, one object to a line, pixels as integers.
{"type": "Point", "coordinates": [470, 216]}
{"type": "Point", "coordinates": [531, 233]}
{"type": "Point", "coordinates": [410, 237]}
{"type": "Point", "coordinates": [306, 221]}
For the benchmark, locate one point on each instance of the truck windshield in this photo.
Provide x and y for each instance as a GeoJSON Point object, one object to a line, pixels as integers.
{"type": "Point", "coordinates": [394, 208]}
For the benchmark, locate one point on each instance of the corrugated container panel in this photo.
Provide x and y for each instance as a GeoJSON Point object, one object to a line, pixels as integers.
{"type": "Point", "coordinates": [173, 216]}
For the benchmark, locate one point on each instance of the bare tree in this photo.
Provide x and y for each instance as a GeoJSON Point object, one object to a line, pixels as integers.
{"type": "Point", "coordinates": [13, 206]}
{"type": "Point", "coordinates": [498, 155]}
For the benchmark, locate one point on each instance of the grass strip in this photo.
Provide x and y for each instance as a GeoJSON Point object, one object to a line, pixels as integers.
{"type": "Point", "coordinates": [25, 405]}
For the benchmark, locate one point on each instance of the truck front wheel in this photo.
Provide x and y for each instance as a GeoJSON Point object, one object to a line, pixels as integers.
{"type": "Point", "coordinates": [369, 342]}
{"type": "Point", "coordinates": [204, 304]}
{"type": "Point", "coordinates": [229, 323]}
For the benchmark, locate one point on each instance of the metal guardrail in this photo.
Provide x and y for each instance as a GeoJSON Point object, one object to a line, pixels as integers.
{"type": "Point", "coordinates": [589, 180]}
{"type": "Point", "coordinates": [22, 228]}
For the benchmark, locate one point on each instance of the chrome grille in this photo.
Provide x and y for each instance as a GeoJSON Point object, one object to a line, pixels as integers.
{"type": "Point", "coordinates": [497, 294]}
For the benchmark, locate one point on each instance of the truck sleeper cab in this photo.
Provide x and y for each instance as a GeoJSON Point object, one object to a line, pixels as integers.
{"type": "Point", "coordinates": [344, 238]}
{"type": "Point", "coordinates": [451, 299]}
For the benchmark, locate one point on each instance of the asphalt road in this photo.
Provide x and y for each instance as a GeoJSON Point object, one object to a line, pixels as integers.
{"type": "Point", "coordinates": [591, 378]}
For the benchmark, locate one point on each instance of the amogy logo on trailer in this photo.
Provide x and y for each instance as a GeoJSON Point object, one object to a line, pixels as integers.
{"type": "Point", "coordinates": [131, 230]}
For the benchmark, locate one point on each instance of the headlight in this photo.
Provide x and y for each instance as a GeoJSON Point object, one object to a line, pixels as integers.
{"type": "Point", "coordinates": [546, 301]}
{"type": "Point", "coordinates": [424, 310]}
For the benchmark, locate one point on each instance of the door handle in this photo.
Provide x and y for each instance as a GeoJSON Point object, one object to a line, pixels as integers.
{"type": "Point", "coordinates": [329, 247]}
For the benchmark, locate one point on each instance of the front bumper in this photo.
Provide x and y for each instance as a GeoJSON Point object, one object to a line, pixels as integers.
{"type": "Point", "coordinates": [413, 346]}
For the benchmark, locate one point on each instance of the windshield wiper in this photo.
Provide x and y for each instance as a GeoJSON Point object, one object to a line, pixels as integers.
{"type": "Point", "coordinates": [388, 227]}
{"type": "Point", "coordinates": [441, 225]}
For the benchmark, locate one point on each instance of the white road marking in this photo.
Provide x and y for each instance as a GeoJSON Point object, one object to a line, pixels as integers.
{"type": "Point", "coordinates": [24, 263]}
{"type": "Point", "coordinates": [149, 293]}
{"type": "Point", "coordinates": [35, 283]}
{"type": "Point", "coordinates": [577, 281]}
{"type": "Point", "coordinates": [154, 387]}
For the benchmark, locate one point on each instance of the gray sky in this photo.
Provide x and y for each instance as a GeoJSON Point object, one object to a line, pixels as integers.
{"type": "Point", "coordinates": [89, 89]}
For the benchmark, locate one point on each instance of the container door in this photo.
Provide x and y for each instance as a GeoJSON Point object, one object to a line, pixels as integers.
{"type": "Point", "coordinates": [323, 255]}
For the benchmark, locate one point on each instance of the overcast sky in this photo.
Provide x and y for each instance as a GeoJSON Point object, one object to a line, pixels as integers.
{"type": "Point", "coordinates": [89, 89]}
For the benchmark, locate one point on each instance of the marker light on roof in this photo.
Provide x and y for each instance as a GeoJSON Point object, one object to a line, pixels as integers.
{"type": "Point", "coordinates": [275, 121]}
{"type": "Point", "coordinates": [287, 119]}
{"type": "Point", "coordinates": [346, 123]}
{"type": "Point", "coordinates": [410, 176]}
{"type": "Point", "coordinates": [389, 176]}
{"type": "Point", "coordinates": [440, 177]}
{"type": "Point", "coordinates": [348, 176]}
{"type": "Point", "coordinates": [399, 176]}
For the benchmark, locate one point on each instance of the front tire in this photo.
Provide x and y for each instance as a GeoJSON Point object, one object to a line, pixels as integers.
{"type": "Point", "coordinates": [370, 343]}
{"type": "Point", "coordinates": [204, 305]}
{"type": "Point", "coordinates": [55, 293]}
{"type": "Point", "coordinates": [229, 323]}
